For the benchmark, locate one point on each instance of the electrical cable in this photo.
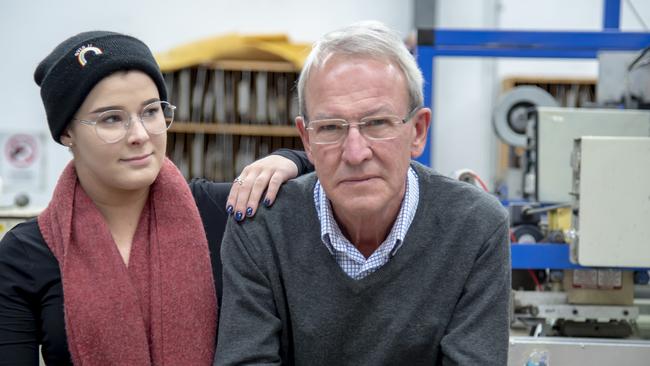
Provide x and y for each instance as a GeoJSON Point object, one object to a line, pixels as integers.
{"type": "Point", "coordinates": [633, 64]}
{"type": "Point", "coordinates": [536, 280]}
{"type": "Point", "coordinates": [469, 176]}
{"type": "Point", "coordinates": [627, 97]}
{"type": "Point", "coordinates": [480, 181]}
{"type": "Point", "coordinates": [636, 14]}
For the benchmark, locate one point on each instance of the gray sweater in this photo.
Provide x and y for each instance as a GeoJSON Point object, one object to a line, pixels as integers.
{"type": "Point", "coordinates": [442, 299]}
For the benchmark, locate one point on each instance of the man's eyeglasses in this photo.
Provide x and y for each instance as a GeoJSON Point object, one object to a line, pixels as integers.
{"type": "Point", "coordinates": [112, 125]}
{"type": "Point", "coordinates": [332, 131]}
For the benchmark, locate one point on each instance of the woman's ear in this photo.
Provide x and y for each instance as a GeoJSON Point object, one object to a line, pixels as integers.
{"type": "Point", "coordinates": [66, 138]}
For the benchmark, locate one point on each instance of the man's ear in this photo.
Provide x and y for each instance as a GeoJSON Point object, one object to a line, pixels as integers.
{"type": "Point", "coordinates": [304, 136]}
{"type": "Point", "coordinates": [421, 123]}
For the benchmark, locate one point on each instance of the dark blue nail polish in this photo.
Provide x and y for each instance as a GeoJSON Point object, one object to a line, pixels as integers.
{"type": "Point", "coordinates": [267, 202]}
{"type": "Point", "coordinates": [249, 212]}
{"type": "Point", "coordinates": [229, 210]}
{"type": "Point", "coordinates": [239, 216]}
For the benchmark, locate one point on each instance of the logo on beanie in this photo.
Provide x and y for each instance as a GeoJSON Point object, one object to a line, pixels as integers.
{"type": "Point", "coordinates": [80, 53]}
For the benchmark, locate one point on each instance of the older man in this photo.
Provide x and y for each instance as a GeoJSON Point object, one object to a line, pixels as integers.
{"type": "Point", "coordinates": [374, 259]}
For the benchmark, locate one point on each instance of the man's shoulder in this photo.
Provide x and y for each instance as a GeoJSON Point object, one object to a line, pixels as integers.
{"type": "Point", "coordinates": [451, 195]}
{"type": "Point", "coordinates": [297, 191]}
{"type": "Point", "coordinates": [293, 206]}
{"type": "Point", "coordinates": [289, 224]}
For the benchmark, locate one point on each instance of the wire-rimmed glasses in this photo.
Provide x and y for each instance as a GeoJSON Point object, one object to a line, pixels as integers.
{"type": "Point", "coordinates": [112, 125]}
{"type": "Point", "coordinates": [380, 127]}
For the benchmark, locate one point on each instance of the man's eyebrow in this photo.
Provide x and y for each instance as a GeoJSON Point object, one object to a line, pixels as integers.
{"type": "Point", "coordinates": [381, 110]}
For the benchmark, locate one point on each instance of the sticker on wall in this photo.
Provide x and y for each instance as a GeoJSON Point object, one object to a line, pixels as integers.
{"type": "Point", "coordinates": [21, 150]}
{"type": "Point", "coordinates": [22, 162]}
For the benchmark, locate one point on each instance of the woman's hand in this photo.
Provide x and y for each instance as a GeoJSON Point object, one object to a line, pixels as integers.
{"type": "Point", "coordinates": [266, 174]}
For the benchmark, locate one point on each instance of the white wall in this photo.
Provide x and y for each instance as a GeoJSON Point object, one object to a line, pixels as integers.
{"type": "Point", "coordinates": [462, 134]}
{"type": "Point", "coordinates": [467, 88]}
{"type": "Point", "coordinates": [30, 29]}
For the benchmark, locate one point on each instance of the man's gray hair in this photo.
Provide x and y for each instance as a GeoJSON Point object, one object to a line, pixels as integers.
{"type": "Point", "coordinates": [368, 39]}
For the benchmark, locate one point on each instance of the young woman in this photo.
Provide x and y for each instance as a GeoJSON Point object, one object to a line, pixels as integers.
{"type": "Point", "coordinates": [117, 269]}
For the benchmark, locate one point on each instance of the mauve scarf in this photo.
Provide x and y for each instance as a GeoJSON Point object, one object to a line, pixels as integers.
{"type": "Point", "coordinates": [161, 309]}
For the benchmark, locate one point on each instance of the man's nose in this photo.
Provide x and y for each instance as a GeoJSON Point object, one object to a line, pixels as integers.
{"type": "Point", "coordinates": [356, 148]}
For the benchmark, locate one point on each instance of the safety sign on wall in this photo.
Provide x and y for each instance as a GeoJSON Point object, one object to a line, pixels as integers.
{"type": "Point", "coordinates": [22, 164]}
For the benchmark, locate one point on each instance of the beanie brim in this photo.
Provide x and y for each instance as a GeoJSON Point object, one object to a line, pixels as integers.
{"type": "Point", "coordinates": [67, 82]}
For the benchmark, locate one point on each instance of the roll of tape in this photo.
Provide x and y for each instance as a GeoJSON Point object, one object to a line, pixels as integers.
{"type": "Point", "coordinates": [465, 175]}
{"type": "Point", "coordinates": [510, 116]}
{"type": "Point", "coordinates": [527, 234]}
{"type": "Point", "coordinates": [469, 176]}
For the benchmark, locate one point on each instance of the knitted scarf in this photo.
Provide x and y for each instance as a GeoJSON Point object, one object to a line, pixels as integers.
{"type": "Point", "coordinates": [161, 309]}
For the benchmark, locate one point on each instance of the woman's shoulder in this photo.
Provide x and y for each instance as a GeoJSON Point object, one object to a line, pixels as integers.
{"type": "Point", "coordinates": [20, 239]}
{"type": "Point", "coordinates": [215, 192]}
{"type": "Point", "coordinates": [24, 255]}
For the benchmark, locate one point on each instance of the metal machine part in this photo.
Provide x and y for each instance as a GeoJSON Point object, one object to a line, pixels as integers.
{"type": "Point", "coordinates": [591, 328]}
{"type": "Point", "coordinates": [512, 113]}
{"type": "Point", "coordinates": [527, 234]}
{"type": "Point", "coordinates": [624, 79]}
{"type": "Point", "coordinates": [578, 351]}
{"type": "Point", "coordinates": [555, 130]}
{"type": "Point", "coordinates": [611, 184]}
{"type": "Point", "coordinates": [521, 213]}
{"type": "Point", "coordinates": [549, 313]}
{"type": "Point", "coordinates": [568, 312]}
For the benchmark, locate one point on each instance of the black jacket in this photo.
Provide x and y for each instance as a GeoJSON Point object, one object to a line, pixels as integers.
{"type": "Point", "coordinates": [31, 294]}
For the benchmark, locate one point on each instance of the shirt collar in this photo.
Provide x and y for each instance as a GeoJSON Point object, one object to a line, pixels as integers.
{"type": "Point", "coordinates": [332, 236]}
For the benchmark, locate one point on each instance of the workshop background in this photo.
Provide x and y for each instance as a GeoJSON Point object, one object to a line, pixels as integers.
{"type": "Point", "coordinates": [542, 103]}
{"type": "Point", "coordinates": [466, 88]}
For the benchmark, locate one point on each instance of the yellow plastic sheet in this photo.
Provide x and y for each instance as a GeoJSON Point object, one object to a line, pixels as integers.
{"type": "Point", "coordinates": [267, 47]}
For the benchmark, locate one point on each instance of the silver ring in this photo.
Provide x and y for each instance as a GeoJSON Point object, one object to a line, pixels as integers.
{"type": "Point", "coordinates": [239, 181]}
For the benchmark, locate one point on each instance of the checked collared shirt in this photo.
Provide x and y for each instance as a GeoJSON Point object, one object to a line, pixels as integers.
{"type": "Point", "coordinates": [353, 263]}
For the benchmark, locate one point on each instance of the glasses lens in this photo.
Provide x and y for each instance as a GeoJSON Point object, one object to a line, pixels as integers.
{"type": "Point", "coordinates": [327, 131]}
{"type": "Point", "coordinates": [157, 117]}
{"type": "Point", "coordinates": [380, 128]}
{"type": "Point", "coordinates": [110, 125]}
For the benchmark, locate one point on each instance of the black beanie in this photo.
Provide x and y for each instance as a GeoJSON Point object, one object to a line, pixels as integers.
{"type": "Point", "coordinates": [75, 66]}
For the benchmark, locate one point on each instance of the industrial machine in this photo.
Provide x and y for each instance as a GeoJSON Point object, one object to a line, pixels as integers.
{"type": "Point", "coordinates": [581, 235]}
{"type": "Point", "coordinates": [600, 306]}
{"type": "Point", "coordinates": [551, 143]}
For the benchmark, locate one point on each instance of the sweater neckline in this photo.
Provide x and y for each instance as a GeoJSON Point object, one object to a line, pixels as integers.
{"type": "Point", "coordinates": [396, 263]}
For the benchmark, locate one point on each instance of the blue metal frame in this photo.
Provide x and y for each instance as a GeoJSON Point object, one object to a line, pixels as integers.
{"type": "Point", "coordinates": [612, 14]}
{"type": "Point", "coordinates": [541, 255]}
{"type": "Point", "coordinates": [499, 43]}
{"type": "Point", "coordinates": [547, 255]}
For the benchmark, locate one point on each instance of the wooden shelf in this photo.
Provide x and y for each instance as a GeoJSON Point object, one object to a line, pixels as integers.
{"type": "Point", "coordinates": [233, 129]}
{"type": "Point", "coordinates": [510, 82]}
{"type": "Point", "coordinates": [247, 65]}
{"type": "Point", "coordinates": [209, 140]}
